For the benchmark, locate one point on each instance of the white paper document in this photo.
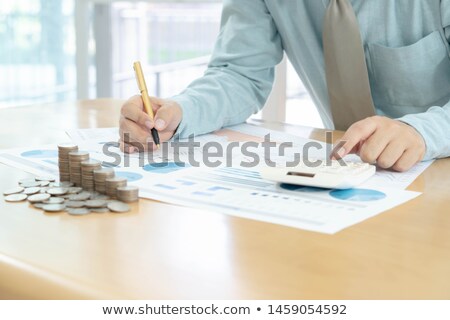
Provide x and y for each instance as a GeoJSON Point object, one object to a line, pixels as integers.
{"type": "Point", "coordinates": [232, 188]}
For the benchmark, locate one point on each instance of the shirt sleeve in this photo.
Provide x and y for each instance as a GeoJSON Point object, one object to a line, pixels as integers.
{"type": "Point", "coordinates": [240, 74]}
{"type": "Point", "coordinates": [434, 125]}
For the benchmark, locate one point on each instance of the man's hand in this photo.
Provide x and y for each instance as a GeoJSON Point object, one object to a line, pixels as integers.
{"type": "Point", "coordinates": [135, 124]}
{"type": "Point", "coordinates": [386, 142]}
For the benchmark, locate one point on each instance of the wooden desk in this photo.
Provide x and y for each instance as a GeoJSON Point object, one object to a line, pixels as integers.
{"type": "Point", "coordinates": [168, 252]}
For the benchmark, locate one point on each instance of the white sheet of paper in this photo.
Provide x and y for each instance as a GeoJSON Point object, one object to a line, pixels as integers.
{"type": "Point", "coordinates": [233, 190]}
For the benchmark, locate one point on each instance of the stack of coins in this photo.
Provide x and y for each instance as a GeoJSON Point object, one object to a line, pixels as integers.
{"type": "Point", "coordinates": [63, 160]}
{"type": "Point", "coordinates": [75, 159]}
{"type": "Point", "coordinates": [112, 184]}
{"type": "Point", "coordinates": [128, 194]}
{"type": "Point", "coordinates": [87, 173]}
{"type": "Point", "coordinates": [99, 179]}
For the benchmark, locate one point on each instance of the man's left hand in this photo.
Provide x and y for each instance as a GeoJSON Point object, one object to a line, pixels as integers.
{"type": "Point", "coordinates": [386, 142]}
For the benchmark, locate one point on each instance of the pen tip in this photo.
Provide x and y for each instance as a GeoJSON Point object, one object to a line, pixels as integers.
{"type": "Point", "coordinates": [157, 146]}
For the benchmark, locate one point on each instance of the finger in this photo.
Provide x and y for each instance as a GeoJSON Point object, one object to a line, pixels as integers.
{"type": "Point", "coordinates": [406, 161]}
{"type": "Point", "coordinates": [166, 118]}
{"type": "Point", "coordinates": [359, 131]}
{"type": "Point", "coordinates": [156, 103]}
{"type": "Point", "coordinates": [373, 147]}
{"type": "Point", "coordinates": [133, 110]}
{"type": "Point", "coordinates": [391, 154]}
{"type": "Point", "coordinates": [131, 132]}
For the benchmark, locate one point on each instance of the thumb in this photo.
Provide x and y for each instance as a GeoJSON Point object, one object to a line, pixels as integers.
{"type": "Point", "coordinates": [165, 118]}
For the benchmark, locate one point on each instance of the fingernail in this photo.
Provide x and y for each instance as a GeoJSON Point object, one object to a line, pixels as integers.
{"type": "Point", "coordinates": [159, 124]}
{"type": "Point", "coordinates": [149, 124]}
{"type": "Point", "coordinates": [341, 152]}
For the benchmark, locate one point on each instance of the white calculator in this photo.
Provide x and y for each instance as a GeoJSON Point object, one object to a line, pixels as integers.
{"type": "Point", "coordinates": [333, 175]}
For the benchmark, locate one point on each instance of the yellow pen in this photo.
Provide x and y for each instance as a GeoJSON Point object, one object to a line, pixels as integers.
{"type": "Point", "coordinates": [145, 98]}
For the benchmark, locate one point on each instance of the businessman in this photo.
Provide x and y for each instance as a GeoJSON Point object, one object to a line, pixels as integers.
{"type": "Point", "coordinates": [378, 69]}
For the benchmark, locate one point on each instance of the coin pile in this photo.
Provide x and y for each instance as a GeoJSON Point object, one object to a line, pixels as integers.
{"type": "Point", "coordinates": [84, 187]}
{"type": "Point", "coordinates": [87, 173]}
{"type": "Point", "coordinates": [99, 178]}
{"type": "Point", "coordinates": [63, 160]}
{"type": "Point", "coordinates": [128, 194]}
{"type": "Point", "coordinates": [112, 184]}
{"type": "Point", "coordinates": [63, 196]}
{"type": "Point", "coordinates": [75, 160]}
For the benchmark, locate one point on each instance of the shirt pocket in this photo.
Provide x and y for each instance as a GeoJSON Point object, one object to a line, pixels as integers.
{"type": "Point", "coordinates": [416, 76]}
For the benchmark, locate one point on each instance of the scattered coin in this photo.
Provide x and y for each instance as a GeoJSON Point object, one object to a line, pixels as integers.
{"type": "Point", "coordinates": [38, 197]}
{"type": "Point", "coordinates": [29, 183]}
{"type": "Point", "coordinates": [62, 184]}
{"type": "Point", "coordinates": [16, 197]}
{"type": "Point", "coordinates": [57, 191]}
{"type": "Point", "coordinates": [45, 183]}
{"type": "Point", "coordinates": [32, 190]}
{"type": "Point", "coordinates": [99, 210]}
{"type": "Point", "coordinates": [49, 179]}
{"type": "Point", "coordinates": [54, 200]}
{"type": "Point", "coordinates": [39, 205]}
{"type": "Point", "coordinates": [96, 203]}
{"type": "Point", "coordinates": [78, 211]}
{"type": "Point", "coordinates": [13, 191]}
{"type": "Point", "coordinates": [54, 207]}
{"type": "Point", "coordinates": [83, 196]}
{"type": "Point", "coordinates": [100, 197]}
{"type": "Point", "coordinates": [119, 207]}
{"type": "Point", "coordinates": [44, 189]}
{"type": "Point", "coordinates": [75, 204]}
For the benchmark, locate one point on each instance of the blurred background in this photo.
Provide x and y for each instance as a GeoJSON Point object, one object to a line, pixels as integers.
{"type": "Point", "coordinates": [56, 50]}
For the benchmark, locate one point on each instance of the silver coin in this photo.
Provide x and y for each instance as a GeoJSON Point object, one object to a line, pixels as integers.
{"type": "Point", "coordinates": [96, 203]}
{"type": "Point", "coordinates": [99, 197]}
{"type": "Point", "coordinates": [27, 180]}
{"type": "Point", "coordinates": [38, 205]}
{"type": "Point", "coordinates": [57, 191]}
{"type": "Point", "coordinates": [119, 207]}
{"type": "Point", "coordinates": [83, 196]}
{"type": "Point", "coordinates": [32, 190]}
{"type": "Point", "coordinates": [54, 207]}
{"type": "Point", "coordinates": [45, 183]}
{"type": "Point", "coordinates": [13, 191]}
{"type": "Point", "coordinates": [74, 190]}
{"type": "Point", "coordinates": [39, 197]}
{"type": "Point", "coordinates": [75, 204]}
{"type": "Point", "coordinates": [16, 197]}
{"type": "Point", "coordinates": [29, 183]}
{"type": "Point", "coordinates": [54, 200]}
{"type": "Point", "coordinates": [99, 210]}
{"type": "Point", "coordinates": [49, 179]}
{"type": "Point", "coordinates": [78, 211]}
{"type": "Point", "coordinates": [44, 189]}
{"type": "Point", "coordinates": [62, 184]}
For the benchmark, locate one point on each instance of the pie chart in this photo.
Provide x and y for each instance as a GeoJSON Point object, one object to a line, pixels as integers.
{"type": "Point", "coordinates": [358, 195]}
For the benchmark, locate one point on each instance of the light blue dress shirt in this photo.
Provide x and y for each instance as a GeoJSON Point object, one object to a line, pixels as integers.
{"type": "Point", "coordinates": [407, 51]}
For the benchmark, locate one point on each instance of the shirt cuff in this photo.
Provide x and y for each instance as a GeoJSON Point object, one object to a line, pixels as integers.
{"type": "Point", "coordinates": [414, 121]}
{"type": "Point", "coordinates": [187, 124]}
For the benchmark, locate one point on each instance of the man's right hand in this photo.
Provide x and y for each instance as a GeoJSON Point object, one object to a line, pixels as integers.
{"type": "Point", "coordinates": [136, 125]}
